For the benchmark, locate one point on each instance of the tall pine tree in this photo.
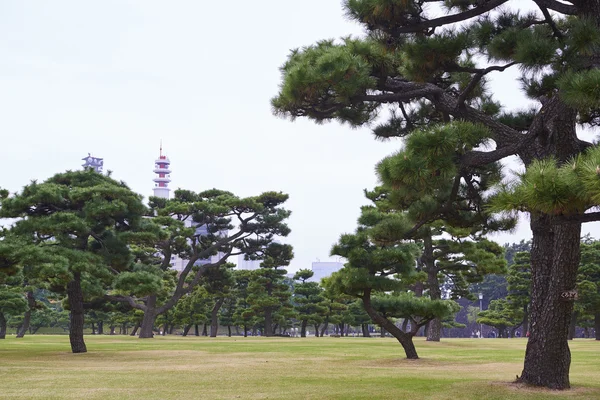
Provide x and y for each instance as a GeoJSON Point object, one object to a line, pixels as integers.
{"type": "Point", "coordinates": [430, 71]}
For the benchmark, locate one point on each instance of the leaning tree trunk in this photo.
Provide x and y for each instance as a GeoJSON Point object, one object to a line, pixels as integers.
{"type": "Point", "coordinates": [554, 264]}
{"type": "Point", "coordinates": [135, 329]}
{"type": "Point", "coordinates": [2, 326]}
{"type": "Point", "coordinates": [27, 317]}
{"type": "Point", "coordinates": [186, 329]}
{"type": "Point", "coordinates": [214, 317]}
{"type": "Point", "coordinates": [75, 298]}
{"type": "Point", "coordinates": [150, 315]}
{"type": "Point", "coordinates": [404, 338]}
{"type": "Point", "coordinates": [325, 326]}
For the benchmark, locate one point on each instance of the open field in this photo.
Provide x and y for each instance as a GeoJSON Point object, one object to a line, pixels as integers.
{"type": "Point", "coordinates": [121, 367]}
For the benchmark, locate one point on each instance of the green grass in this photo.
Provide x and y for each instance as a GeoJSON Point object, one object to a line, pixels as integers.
{"type": "Point", "coordinates": [122, 367]}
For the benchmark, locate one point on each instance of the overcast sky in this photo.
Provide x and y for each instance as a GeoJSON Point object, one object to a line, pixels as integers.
{"type": "Point", "coordinates": [114, 77]}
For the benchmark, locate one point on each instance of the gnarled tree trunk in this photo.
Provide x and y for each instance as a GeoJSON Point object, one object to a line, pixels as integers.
{"type": "Point", "coordinates": [150, 314]}
{"type": "Point", "coordinates": [75, 297]}
{"type": "Point", "coordinates": [214, 317]}
{"type": "Point", "coordinates": [404, 338]}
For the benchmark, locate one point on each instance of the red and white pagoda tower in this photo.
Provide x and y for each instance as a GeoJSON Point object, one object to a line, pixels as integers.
{"type": "Point", "coordinates": [163, 177]}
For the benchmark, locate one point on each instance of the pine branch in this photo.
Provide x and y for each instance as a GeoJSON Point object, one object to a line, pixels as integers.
{"type": "Point", "coordinates": [450, 19]}
{"type": "Point", "coordinates": [557, 33]}
{"type": "Point", "coordinates": [557, 6]}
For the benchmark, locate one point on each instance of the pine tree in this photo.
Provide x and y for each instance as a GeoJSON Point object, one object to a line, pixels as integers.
{"type": "Point", "coordinates": [519, 287]}
{"type": "Point", "coordinates": [375, 257]}
{"type": "Point", "coordinates": [428, 73]}
{"type": "Point", "coordinates": [75, 227]}
{"type": "Point", "coordinates": [501, 315]}
{"type": "Point", "coordinates": [195, 227]}
{"type": "Point", "coordinates": [309, 301]}
{"type": "Point", "coordinates": [268, 295]}
{"type": "Point", "coordinates": [588, 283]}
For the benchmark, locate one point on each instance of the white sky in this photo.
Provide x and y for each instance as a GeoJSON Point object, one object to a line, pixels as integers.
{"type": "Point", "coordinates": [115, 77]}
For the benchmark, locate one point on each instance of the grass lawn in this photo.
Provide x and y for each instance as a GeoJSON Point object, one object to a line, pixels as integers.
{"type": "Point", "coordinates": [121, 367]}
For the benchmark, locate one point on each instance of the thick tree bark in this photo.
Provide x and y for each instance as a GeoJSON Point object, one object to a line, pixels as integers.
{"type": "Point", "coordinates": [27, 317]}
{"type": "Point", "coordinates": [135, 329]}
{"type": "Point", "coordinates": [75, 297]}
{"type": "Point", "coordinates": [268, 322]}
{"type": "Point", "coordinates": [150, 314]}
{"type": "Point", "coordinates": [554, 264]}
{"type": "Point", "coordinates": [214, 317]}
{"type": "Point", "coordinates": [405, 339]}
{"type": "Point", "coordinates": [365, 330]}
{"type": "Point", "coordinates": [2, 326]}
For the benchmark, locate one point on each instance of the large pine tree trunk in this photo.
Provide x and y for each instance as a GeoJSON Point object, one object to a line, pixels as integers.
{"type": "Point", "coordinates": [303, 328]}
{"type": "Point", "coordinates": [2, 326]}
{"type": "Point", "coordinates": [554, 264]}
{"type": "Point", "coordinates": [147, 326]}
{"type": "Point", "coordinates": [365, 330]}
{"type": "Point", "coordinates": [405, 339]}
{"type": "Point", "coordinates": [27, 317]}
{"type": "Point", "coordinates": [214, 318]}
{"type": "Point", "coordinates": [268, 322]}
{"type": "Point", "coordinates": [75, 298]}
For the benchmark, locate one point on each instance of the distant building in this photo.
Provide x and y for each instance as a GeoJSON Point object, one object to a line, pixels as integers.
{"type": "Point", "coordinates": [324, 269]}
{"type": "Point", "coordinates": [248, 265]}
{"type": "Point", "coordinates": [163, 176]}
{"type": "Point", "coordinates": [96, 163]}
